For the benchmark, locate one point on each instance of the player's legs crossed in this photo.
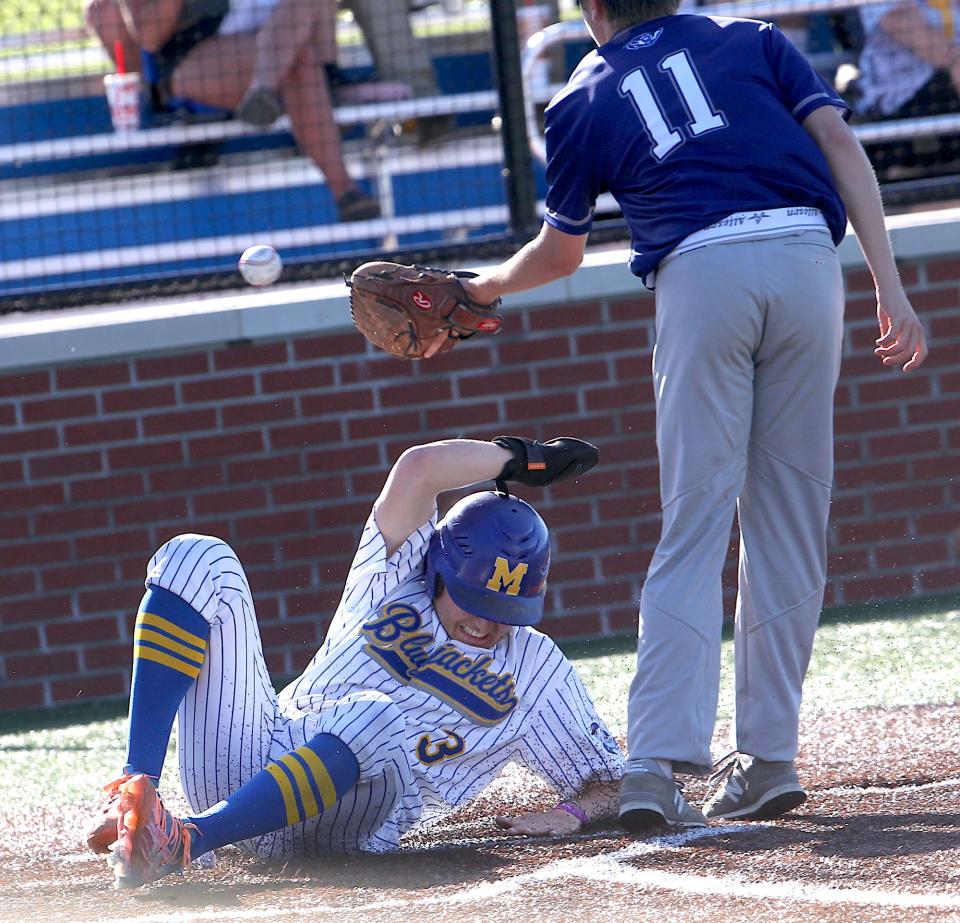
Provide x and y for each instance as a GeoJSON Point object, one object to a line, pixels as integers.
{"type": "Point", "coordinates": [783, 512]}
{"type": "Point", "coordinates": [708, 323]}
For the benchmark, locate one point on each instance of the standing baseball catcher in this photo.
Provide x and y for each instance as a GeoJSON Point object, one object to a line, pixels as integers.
{"type": "Point", "coordinates": [734, 168]}
{"type": "Point", "coordinates": [431, 678]}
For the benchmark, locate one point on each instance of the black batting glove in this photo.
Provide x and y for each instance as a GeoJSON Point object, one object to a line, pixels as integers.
{"type": "Point", "coordinates": [541, 463]}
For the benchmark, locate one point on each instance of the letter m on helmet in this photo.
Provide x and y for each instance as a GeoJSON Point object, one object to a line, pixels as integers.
{"type": "Point", "coordinates": [507, 579]}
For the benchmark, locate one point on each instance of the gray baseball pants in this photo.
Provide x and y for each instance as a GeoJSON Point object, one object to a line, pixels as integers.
{"type": "Point", "coordinates": [745, 366]}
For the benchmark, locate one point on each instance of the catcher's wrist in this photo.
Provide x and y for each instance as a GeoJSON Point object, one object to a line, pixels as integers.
{"type": "Point", "coordinates": [571, 807]}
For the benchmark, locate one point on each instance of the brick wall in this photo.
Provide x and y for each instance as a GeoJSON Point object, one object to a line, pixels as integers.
{"type": "Point", "coordinates": [280, 447]}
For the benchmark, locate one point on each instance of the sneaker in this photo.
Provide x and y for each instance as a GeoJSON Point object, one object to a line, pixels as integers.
{"type": "Point", "coordinates": [355, 205]}
{"type": "Point", "coordinates": [151, 842]}
{"type": "Point", "coordinates": [103, 834]}
{"type": "Point", "coordinates": [260, 107]}
{"type": "Point", "coordinates": [754, 789]}
{"type": "Point", "coordinates": [648, 798]}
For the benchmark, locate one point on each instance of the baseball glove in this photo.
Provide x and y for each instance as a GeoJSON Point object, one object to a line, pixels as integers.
{"type": "Point", "coordinates": [403, 309]}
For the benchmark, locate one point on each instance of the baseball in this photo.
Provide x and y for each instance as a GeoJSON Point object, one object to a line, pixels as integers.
{"type": "Point", "coordinates": [260, 265]}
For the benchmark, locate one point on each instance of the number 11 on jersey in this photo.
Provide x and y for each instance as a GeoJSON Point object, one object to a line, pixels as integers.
{"type": "Point", "coordinates": [687, 81]}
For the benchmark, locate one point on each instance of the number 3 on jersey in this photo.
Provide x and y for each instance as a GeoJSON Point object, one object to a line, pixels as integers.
{"type": "Point", "coordinates": [687, 82]}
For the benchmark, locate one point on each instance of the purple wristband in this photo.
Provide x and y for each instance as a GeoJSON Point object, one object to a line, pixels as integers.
{"type": "Point", "coordinates": [574, 809]}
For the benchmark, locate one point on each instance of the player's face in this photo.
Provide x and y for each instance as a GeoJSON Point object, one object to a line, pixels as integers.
{"type": "Point", "coordinates": [467, 628]}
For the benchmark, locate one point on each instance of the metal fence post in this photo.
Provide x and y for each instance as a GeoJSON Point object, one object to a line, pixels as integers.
{"type": "Point", "coordinates": [517, 159]}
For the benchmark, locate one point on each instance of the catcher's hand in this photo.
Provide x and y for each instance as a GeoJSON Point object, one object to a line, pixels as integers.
{"type": "Point", "coordinates": [541, 463]}
{"type": "Point", "coordinates": [406, 310]}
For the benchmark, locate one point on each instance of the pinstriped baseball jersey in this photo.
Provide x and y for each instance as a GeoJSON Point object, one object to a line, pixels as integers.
{"type": "Point", "coordinates": [431, 722]}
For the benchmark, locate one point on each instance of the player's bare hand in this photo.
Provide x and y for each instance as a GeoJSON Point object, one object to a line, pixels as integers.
{"type": "Point", "coordinates": [435, 344]}
{"type": "Point", "coordinates": [902, 340]}
{"type": "Point", "coordinates": [554, 822]}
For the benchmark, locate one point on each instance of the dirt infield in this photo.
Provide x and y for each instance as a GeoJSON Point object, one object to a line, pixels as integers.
{"type": "Point", "coordinates": [878, 840]}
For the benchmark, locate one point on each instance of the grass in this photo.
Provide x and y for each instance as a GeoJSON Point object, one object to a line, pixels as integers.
{"type": "Point", "coordinates": [863, 657]}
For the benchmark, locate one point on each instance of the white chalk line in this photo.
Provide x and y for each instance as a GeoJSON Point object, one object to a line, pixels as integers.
{"type": "Point", "coordinates": [608, 869]}
{"type": "Point", "coordinates": [886, 789]}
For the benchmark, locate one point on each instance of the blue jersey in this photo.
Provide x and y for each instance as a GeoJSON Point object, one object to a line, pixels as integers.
{"type": "Point", "coordinates": [687, 119]}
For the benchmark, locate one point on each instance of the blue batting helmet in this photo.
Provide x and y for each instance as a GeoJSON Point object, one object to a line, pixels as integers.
{"type": "Point", "coordinates": [493, 552]}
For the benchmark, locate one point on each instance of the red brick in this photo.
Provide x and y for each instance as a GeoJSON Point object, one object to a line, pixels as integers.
{"type": "Point", "coordinates": [864, 421]}
{"type": "Point", "coordinates": [11, 471]}
{"type": "Point", "coordinates": [281, 522]}
{"type": "Point", "coordinates": [24, 639]}
{"type": "Point", "coordinates": [65, 463]}
{"type": "Point", "coordinates": [15, 527]}
{"type": "Point", "coordinates": [625, 339]}
{"type": "Point", "coordinates": [274, 411]}
{"type": "Point", "coordinates": [59, 408]}
{"type": "Point", "coordinates": [27, 553]}
{"type": "Point", "coordinates": [605, 536]}
{"type": "Point", "coordinates": [149, 455]}
{"type": "Point", "coordinates": [564, 317]}
{"type": "Point", "coordinates": [339, 401]}
{"type": "Point", "coordinates": [938, 523]}
{"type": "Point", "coordinates": [28, 497]}
{"type": "Point", "coordinates": [382, 425]}
{"type": "Point", "coordinates": [110, 599]}
{"type": "Point", "coordinates": [317, 604]}
{"type": "Point", "coordinates": [375, 369]}
{"type": "Point", "coordinates": [526, 351]}
{"type": "Point", "coordinates": [912, 498]}
{"type": "Point", "coordinates": [860, 475]}
{"type": "Point", "coordinates": [305, 435]}
{"type": "Point", "coordinates": [258, 554]}
{"type": "Point", "coordinates": [218, 388]}
{"type": "Point", "coordinates": [847, 450]}
{"type": "Point", "coordinates": [894, 390]}
{"type": "Point", "coordinates": [635, 370]}
{"type": "Point", "coordinates": [24, 383]}
{"type": "Point", "coordinates": [933, 468]}
{"type": "Point", "coordinates": [342, 514]}
{"type": "Point", "coordinates": [228, 501]}
{"type": "Point", "coordinates": [891, 557]}
{"type": "Point", "coordinates": [950, 382]}
{"type": "Point", "coordinates": [906, 444]}
{"type": "Point", "coordinates": [572, 570]}
{"type": "Point", "coordinates": [940, 411]}
{"type": "Point", "coordinates": [345, 459]}
{"type": "Point", "coordinates": [17, 582]}
{"type": "Point", "coordinates": [137, 399]}
{"type": "Point", "coordinates": [107, 656]}
{"type": "Point", "coordinates": [872, 530]}
{"type": "Point", "coordinates": [637, 309]}
{"type": "Point", "coordinates": [541, 406]}
{"type": "Point", "coordinates": [22, 695]}
{"type": "Point", "coordinates": [95, 432]}
{"type": "Point", "coordinates": [623, 621]}
{"type": "Point", "coordinates": [303, 378]}
{"type": "Point", "coordinates": [109, 488]}
{"type": "Point", "coordinates": [569, 374]}
{"type": "Point", "coordinates": [8, 415]}
{"type": "Point", "coordinates": [165, 509]}
{"type": "Point", "coordinates": [75, 576]}
{"type": "Point", "coordinates": [327, 346]}
{"type": "Point", "coordinates": [276, 578]}
{"type": "Point", "coordinates": [841, 507]}
{"type": "Point", "coordinates": [250, 355]}
{"type": "Point", "coordinates": [95, 686]}
{"type": "Point", "coordinates": [314, 490]}
{"type": "Point", "coordinates": [93, 376]}
{"type": "Point", "coordinates": [270, 468]}
{"type": "Point", "coordinates": [71, 519]}
{"type": "Point", "coordinates": [185, 479]}
{"type": "Point", "coordinates": [514, 381]}
{"type": "Point", "coordinates": [36, 609]}
{"type": "Point", "coordinates": [640, 421]}
{"type": "Point", "coordinates": [28, 440]}
{"type": "Point", "coordinates": [889, 586]}
{"type": "Point", "coordinates": [575, 626]}
{"type": "Point", "coordinates": [183, 421]}
{"type": "Point", "coordinates": [35, 666]}
{"type": "Point", "coordinates": [560, 515]}
{"type": "Point", "coordinates": [417, 393]}
{"type": "Point", "coordinates": [287, 634]}
{"type": "Point", "coordinates": [943, 329]}
{"type": "Point", "coordinates": [943, 270]}
{"type": "Point", "coordinates": [172, 366]}
{"type": "Point", "coordinates": [458, 417]}
{"type": "Point", "coordinates": [940, 579]}
{"type": "Point", "coordinates": [115, 542]}
{"type": "Point", "coordinates": [215, 448]}
{"type": "Point", "coordinates": [849, 562]}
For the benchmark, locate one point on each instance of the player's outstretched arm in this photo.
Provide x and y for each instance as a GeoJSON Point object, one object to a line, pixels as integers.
{"type": "Point", "coordinates": [902, 341]}
{"type": "Point", "coordinates": [597, 801]}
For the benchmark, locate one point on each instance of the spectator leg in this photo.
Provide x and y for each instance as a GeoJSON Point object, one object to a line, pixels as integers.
{"type": "Point", "coordinates": [105, 20]}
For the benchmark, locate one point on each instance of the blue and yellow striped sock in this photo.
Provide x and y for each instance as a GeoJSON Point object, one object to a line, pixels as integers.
{"type": "Point", "coordinates": [169, 647]}
{"type": "Point", "coordinates": [301, 784]}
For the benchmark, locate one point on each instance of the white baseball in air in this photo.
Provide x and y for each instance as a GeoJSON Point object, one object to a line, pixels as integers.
{"type": "Point", "coordinates": [260, 265]}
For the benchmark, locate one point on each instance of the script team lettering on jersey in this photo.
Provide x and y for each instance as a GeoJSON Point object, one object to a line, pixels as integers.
{"type": "Point", "coordinates": [395, 641]}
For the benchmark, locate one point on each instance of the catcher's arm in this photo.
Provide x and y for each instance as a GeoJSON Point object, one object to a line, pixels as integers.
{"type": "Point", "coordinates": [551, 255]}
{"type": "Point", "coordinates": [597, 801]}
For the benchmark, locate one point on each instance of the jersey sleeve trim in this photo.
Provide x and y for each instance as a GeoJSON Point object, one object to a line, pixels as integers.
{"type": "Point", "coordinates": [575, 226]}
{"type": "Point", "coordinates": [816, 101]}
